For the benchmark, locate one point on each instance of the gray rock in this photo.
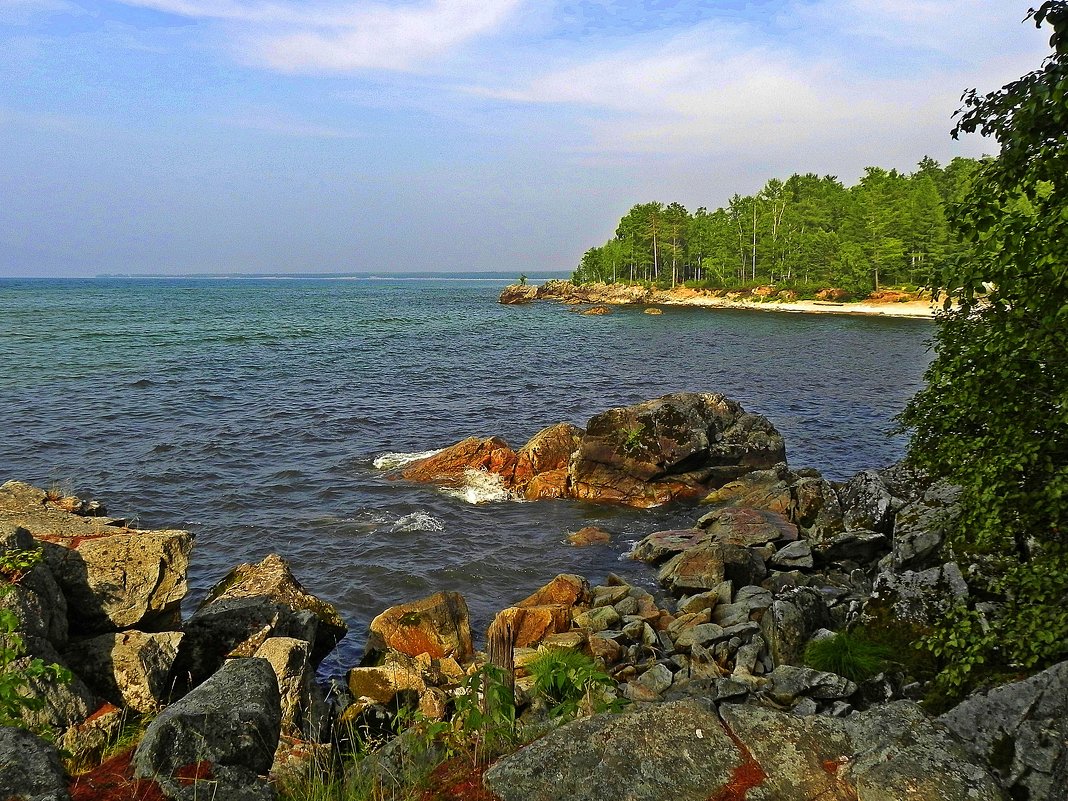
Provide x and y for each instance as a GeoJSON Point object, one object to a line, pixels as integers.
{"type": "Point", "coordinates": [657, 679]}
{"type": "Point", "coordinates": [904, 754]}
{"type": "Point", "coordinates": [867, 503]}
{"type": "Point", "coordinates": [701, 634]}
{"type": "Point", "coordinates": [112, 576]}
{"type": "Point", "coordinates": [661, 545]}
{"type": "Point", "coordinates": [796, 555]}
{"type": "Point", "coordinates": [30, 769]}
{"type": "Point", "coordinates": [130, 668]}
{"type": "Point", "coordinates": [231, 722]}
{"type": "Point", "coordinates": [608, 596]}
{"type": "Point", "coordinates": [920, 527]}
{"type": "Point", "coordinates": [36, 599]}
{"type": "Point", "coordinates": [787, 683]}
{"type": "Point", "coordinates": [675, 750]}
{"type": "Point", "coordinates": [698, 602]}
{"type": "Point", "coordinates": [1021, 730]}
{"type": "Point", "coordinates": [856, 546]}
{"type": "Point", "coordinates": [64, 703]}
{"type": "Point", "coordinates": [253, 603]}
{"type": "Point", "coordinates": [916, 598]}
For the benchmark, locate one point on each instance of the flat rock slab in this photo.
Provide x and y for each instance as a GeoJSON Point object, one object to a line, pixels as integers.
{"type": "Point", "coordinates": [676, 751]}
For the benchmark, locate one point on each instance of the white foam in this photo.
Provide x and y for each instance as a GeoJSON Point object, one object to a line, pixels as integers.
{"type": "Point", "coordinates": [392, 460]}
{"type": "Point", "coordinates": [481, 486]}
{"type": "Point", "coordinates": [418, 521]}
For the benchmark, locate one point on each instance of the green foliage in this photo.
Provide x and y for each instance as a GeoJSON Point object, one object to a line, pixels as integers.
{"type": "Point", "coordinates": [571, 683]}
{"type": "Point", "coordinates": [17, 562]}
{"type": "Point", "coordinates": [848, 654]}
{"type": "Point", "coordinates": [632, 438]}
{"type": "Point", "coordinates": [808, 230]}
{"type": "Point", "coordinates": [994, 415]}
{"type": "Point", "coordinates": [17, 674]}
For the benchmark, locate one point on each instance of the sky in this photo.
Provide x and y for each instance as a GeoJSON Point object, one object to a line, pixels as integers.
{"type": "Point", "coordinates": [273, 136]}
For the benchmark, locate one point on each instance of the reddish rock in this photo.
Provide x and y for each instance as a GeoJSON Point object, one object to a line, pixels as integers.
{"type": "Point", "coordinates": [740, 525]}
{"type": "Point", "coordinates": [448, 468]}
{"type": "Point", "coordinates": [531, 624]}
{"type": "Point", "coordinates": [567, 589]}
{"type": "Point", "coordinates": [590, 535]}
{"type": "Point", "coordinates": [438, 626]}
{"type": "Point", "coordinates": [551, 484]}
{"type": "Point", "coordinates": [551, 448]}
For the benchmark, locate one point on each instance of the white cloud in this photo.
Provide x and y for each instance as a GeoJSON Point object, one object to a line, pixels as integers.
{"type": "Point", "coordinates": [836, 76]}
{"type": "Point", "coordinates": [346, 36]}
{"type": "Point", "coordinates": [20, 12]}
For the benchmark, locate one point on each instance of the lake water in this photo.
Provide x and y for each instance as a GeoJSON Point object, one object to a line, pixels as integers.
{"type": "Point", "coordinates": [251, 412]}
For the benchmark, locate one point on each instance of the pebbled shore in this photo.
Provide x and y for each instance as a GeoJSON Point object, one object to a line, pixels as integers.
{"type": "Point", "coordinates": [630, 295]}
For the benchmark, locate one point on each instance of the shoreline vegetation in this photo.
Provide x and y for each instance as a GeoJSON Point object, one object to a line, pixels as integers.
{"type": "Point", "coordinates": [599, 296]}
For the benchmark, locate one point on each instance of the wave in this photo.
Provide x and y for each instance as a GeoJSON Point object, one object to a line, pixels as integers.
{"type": "Point", "coordinates": [394, 460]}
{"type": "Point", "coordinates": [417, 521]}
{"type": "Point", "coordinates": [481, 486]}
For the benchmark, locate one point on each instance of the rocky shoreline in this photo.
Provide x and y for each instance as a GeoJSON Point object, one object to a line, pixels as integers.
{"type": "Point", "coordinates": [597, 298]}
{"type": "Point", "coordinates": [707, 686]}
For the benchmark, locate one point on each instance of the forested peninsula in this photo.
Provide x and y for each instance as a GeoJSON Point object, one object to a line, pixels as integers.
{"type": "Point", "coordinates": [802, 235]}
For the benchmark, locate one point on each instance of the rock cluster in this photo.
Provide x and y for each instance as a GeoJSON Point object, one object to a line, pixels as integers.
{"type": "Point", "coordinates": [103, 603]}
{"type": "Point", "coordinates": [677, 447]}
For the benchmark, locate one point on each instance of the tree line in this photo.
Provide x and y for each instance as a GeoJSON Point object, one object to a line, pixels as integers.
{"type": "Point", "coordinates": [805, 233]}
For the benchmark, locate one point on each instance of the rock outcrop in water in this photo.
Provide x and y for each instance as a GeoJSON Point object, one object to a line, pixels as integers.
{"type": "Point", "coordinates": [677, 447]}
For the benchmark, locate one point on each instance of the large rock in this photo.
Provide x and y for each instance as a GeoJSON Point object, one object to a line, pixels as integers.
{"type": "Point", "coordinates": [128, 668]}
{"type": "Point", "coordinates": [761, 489]}
{"type": "Point", "coordinates": [218, 741]}
{"type": "Point", "coordinates": [450, 466]}
{"type": "Point", "coordinates": [30, 769]}
{"type": "Point", "coordinates": [743, 525]}
{"type": "Point", "coordinates": [1021, 729]}
{"type": "Point", "coordinates": [921, 527]}
{"type": "Point", "coordinates": [438, 626]}
{"type": "Point", "coordinates": [674, 750]}
{"type": "Point", "coordinates": [903, 755]}
{"type": "Point", "coordinates": [867, 503]}
{"type": "Point", "coordinates": [251, 604]}
{"type": "Point", "coordinates": [113, 576]}
{"type": "Point", "coordinates": [305, 714]}
{"type": "Point", "coordinates": [705, 566]}
{"type": "Point", "coordinates": [548, 450]}
{"type": "Point", "coordinates": [677, 446]}
{"type": "Point", "coordinates": [547, 611]}
{"type": "Point", "coordinates": [63, 702]}
{"type": "Point", "coordinates": [790, 622]}
{"type": "Point", "coordinates": [35, 599]}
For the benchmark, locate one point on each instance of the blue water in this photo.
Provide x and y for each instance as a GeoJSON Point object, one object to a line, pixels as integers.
{"type": "Point", "coordinates": [250, 412]}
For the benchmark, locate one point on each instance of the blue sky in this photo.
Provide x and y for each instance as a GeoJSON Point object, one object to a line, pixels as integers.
{"type": "Point", "coordinates": [177, 136]}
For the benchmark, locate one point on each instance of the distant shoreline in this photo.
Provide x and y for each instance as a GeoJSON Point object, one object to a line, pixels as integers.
{"type": "Point", "coordinates": [630, 295]}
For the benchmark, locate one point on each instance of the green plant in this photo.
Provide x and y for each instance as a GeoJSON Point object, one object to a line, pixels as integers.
{"type": "Point", "coordinates": [993, 417]}
{"type": "Point", "coordinates": [571, 683]}
{"type": "Point", "coordinates": [632, 438]}
{"type": "Point", "coordinates": [17, 674]}
{"type": "Point", "coordinates": [850, 655]}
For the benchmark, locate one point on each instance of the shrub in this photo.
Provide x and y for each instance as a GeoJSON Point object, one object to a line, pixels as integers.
{"type": "Point", "coordinates": [850, 655]}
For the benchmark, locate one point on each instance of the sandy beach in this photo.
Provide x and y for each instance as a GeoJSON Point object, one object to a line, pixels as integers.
{"type": "Point", "coordinates": [568, 293]}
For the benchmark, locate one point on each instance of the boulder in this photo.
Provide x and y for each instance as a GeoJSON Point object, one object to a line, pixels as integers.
{"type": "Point", "coordinates": [790, 622]}
{"type": "Point", "coordinates": [252, 603]}
{"type": "Point", "coordinates": [675, 750]}
{"type": "Point", "coordinates": [915, 599]}
{"type": "Point", "coordinates": [788, 683]}
{"type": "Point", "coordinates": [129, 668]}
{"type": "Point", "coordinates": [867, 503]}
{"type": "Point", "coordinates": [793, 556]}
{"type": "Point", "coordinates": [920, 527]}
{"type": "Point", "coordinates": [450, 466]}
{"type": "Point", "coordinates": [64, 702]}
{"type": "Point", "coordinates": [660, 545]}
{"type": "Point", "coordinates": [219, 740]}
{"type": "Point", "coordinates": [857, 546]}
{"type": "Point", "coordinates": [548, 450]}
{"type": "Point", "coordinates": [903, 754]}
{"type": "Point", "coordinates": [30, 769]}
{"type": "Point", "coordinates": [677, 446]}
{"type": "Point", "coordinates": [380, 684]}
{"type": "Point", "coordinates": [742, 525]}
{"type": "Point", "coordinates": [589, 535]}
{"type": "Point", "coordinates": [818, 510]}
{"type": "Point", "coordinates": [35, 599]}
{"type": "Point", "coordinates": [1021, 730]}
{"type": "Point", "coordinates": [112, 576]}
{"type": "Point", "coordinates": [548, 610]}
{"type": "Point", "coordinates": [761, 489]}
{"type": "Point", "coordinates": [305, 713]}
{"type": "Point", "coordinates": [550, 484]}
{"type": "Point", "coordinates": [518, 294]}
{"type": "Point", "coordinates": [706, 566]}
{"type": "Point", "coordinates": [438, 626]}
